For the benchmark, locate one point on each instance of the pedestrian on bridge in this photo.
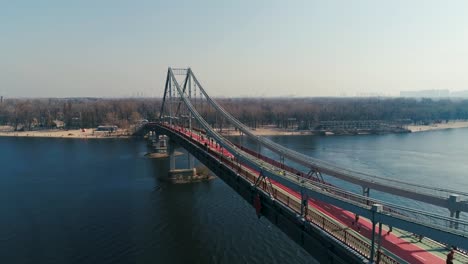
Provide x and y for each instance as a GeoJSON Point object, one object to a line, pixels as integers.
{"type": "Point", "coordinates": [356, 222]}
{"type": "Point", "coordinates": [356, 219]}
{"type": "Point", "coordinates": [390, 229]}
{"type": "Point", "coordinates": [450, 257]}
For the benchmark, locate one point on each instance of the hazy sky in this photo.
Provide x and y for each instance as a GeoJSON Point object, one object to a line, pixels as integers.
{"type": "Point", "coordinates": [118, 48]}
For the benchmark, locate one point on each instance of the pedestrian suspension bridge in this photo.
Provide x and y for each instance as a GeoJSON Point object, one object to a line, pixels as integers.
{"type": "Point", "coordinates": [334, 225]}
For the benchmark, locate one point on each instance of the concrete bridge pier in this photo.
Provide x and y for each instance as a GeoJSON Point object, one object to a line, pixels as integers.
{"type": "Point", "coordinates": [151, 138]}
{"type": "Point", "coordinates": [191, 162]}
{"type": "Point", "coordinates": [171, 145]}
{"type": "Point", "coordinates": [157, 143]}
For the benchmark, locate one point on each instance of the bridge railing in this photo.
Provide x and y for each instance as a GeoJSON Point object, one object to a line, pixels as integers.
{"type": "Point", "coordinates": [439, 192]}
{"type": "Point", "coordinates": [337, 231]}
{"type": "Point", "coordinates": [444, 223]}
{"type": "Point", "coordinates": [320, 221]}
{"type": "Point", "coordinates": [429, 219]}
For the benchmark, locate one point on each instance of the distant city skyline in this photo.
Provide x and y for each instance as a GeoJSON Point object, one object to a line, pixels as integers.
{"type": "Point", "coordinates": [437, 93]}
{"type": "Point", "coordinates": [243, 48]}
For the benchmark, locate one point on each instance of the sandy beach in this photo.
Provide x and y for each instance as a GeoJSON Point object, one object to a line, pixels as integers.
{"type": "Point", "coordinates": [449, 125]}
{"type": "Point", "coordinates": [279, 132]}
{"type": "Point", "coordinates": [59, 133]}
{"type": "Point", "coordinates": [273, 131]}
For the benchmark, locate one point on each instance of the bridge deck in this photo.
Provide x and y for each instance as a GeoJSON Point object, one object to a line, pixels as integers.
{"type": "Point", "coordinates": [398, 242]}
{"type": "Point", "coordinates": [328, 226]}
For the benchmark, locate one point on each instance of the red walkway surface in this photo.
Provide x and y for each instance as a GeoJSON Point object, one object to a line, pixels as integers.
{"type": "Point", "coordinates": [402, 248]}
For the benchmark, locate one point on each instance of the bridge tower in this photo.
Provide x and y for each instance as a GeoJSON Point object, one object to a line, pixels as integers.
{"type": "Point", "coordinates": [176, 114]}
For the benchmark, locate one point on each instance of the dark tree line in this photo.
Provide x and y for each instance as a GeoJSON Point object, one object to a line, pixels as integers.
{"type": "Point", "coordinates": [91, 112]}
{"type": "Point", "coordinates": [76, 112]}
{"type": "Point", "coordinates": [279, 110]}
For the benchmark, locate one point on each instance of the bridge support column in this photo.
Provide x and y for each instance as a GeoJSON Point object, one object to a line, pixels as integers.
{"type": "Point", "coordinates": [304, 204]}
{"type": "Point", "coordinates": [281, 160]}
{"type": "Point", "coordinates": [366, 192]}
{"type": "Point", "coordinates": [453, 201]}
{"type": "Point", "coordinates": [172, 163]}
{"type": "Point", "coordinates": [456, 214]}
{"type": "Point", "coordinates": [171, 146]}
{"type": "Point", "coordinates": [191, 162]}
{"type": "Point", "coordinates": [182, 175]}
{"type": "Point", "coordinates": [379, 244]}
{"type": "Point", "coordinates": [157, 142]}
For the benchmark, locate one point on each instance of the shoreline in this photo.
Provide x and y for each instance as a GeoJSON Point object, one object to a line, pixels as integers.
{"type": "Point", "coordinates": [439, 126]}
{"type": "Point", "coordinates": [267, 131]}
{"type": "Point", "coordinates": [263, 131]}
{"type": "Point", "coordinates": [73, 133]}
{"type": "Point", "coordinates": [271, 131]}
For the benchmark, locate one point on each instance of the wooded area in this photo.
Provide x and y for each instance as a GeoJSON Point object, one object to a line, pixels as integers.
{"type": "Point", "coordinates": [30, 114]}
{"type": "Point", "coordinates": [76, 112]}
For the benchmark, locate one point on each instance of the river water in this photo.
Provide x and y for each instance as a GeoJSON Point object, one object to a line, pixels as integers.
{"type": "Point", "coordinates": [102, 201]}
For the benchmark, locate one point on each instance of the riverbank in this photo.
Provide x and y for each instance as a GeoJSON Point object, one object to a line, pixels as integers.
{"type": "Point", "coordinates": [273, 131]}
{"type": "Point", "coordinates": [6, 131]}
{"type": "Point", "coordinates": [59, 133]}
{"type": "Point", "coordinates": [440, 126]}
{"type": "Point", "coordinates": [269, 131]}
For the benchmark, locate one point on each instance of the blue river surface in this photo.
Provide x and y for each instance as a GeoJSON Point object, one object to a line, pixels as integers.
{"type": "Point", "coordinates": [103, 201]}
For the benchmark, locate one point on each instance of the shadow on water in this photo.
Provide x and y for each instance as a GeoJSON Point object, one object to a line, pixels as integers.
{"type": "Point", "coordinates": [178, 215]}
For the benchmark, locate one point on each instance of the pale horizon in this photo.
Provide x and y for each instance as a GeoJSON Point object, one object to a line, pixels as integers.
{"type": "Point", "coordinates": [242, 49]}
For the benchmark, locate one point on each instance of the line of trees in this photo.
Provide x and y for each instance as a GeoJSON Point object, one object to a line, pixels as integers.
{"type": "Point", "coordinates": [90, 112]}
{"type": "Point", "coordinates": [30, 114]}
{"type": "Point", "coordinates": [279, 110]}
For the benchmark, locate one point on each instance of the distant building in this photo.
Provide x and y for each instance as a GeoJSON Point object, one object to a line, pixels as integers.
{"type": "Point", "coordinates": [459, 94]}
{"type": "Point", "coordinates": [58, 123]}
{"type": "Point", "coordinates": [107, 128]}
{"type": "Point", "coordinates": [426, 94]}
